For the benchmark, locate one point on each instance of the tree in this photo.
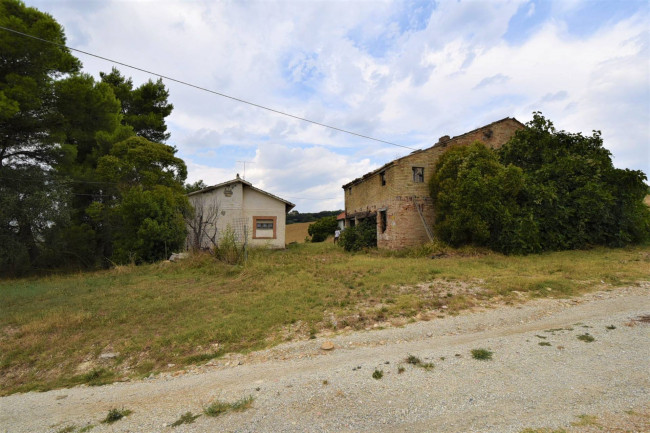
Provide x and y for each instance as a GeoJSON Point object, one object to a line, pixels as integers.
{"type": "Point", "coordinates": [475, 198]}
{"type": "Point", "coordinates": [543, 190]}
{"type": "Point", "coordinates": [202, 223]}
{"type": "Point", "coordinates": [144, 108]}
{"type": "Point", "coordinates": [151, 224]}
{"type": "Point", "coordinates": [322, 229]}
{"type": "Point", "coordinates": [196, 186]}
{"type": "Point", "coordinates": [573, 191]}
{"type": "Point", "coordinates": [147, 203]}
{"type": "Point", "coordinates": [30, 133]}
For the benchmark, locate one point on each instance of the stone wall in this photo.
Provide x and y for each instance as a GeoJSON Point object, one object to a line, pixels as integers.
{"type": "Point", "coordinates": [392, 188]}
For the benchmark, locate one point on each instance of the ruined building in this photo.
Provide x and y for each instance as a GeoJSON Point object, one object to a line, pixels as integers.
{"type": "Point", "coordinates": [396, 195]}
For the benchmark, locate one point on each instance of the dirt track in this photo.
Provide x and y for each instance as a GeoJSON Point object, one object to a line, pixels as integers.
{"type": "Point", "coordinates": [298, 387]}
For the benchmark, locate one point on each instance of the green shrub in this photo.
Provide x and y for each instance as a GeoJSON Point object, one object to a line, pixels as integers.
{"type": "Point", "coordinates": [229, 249]}
{"type": "Point", "coordinates": [481, 354]}
{"type": "Point", "coordinates": [322, 229]}
{"type": "Point", "coordinates": [363, 235]}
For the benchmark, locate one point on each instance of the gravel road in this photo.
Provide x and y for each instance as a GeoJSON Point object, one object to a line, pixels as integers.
{"type": "Point", "coordinates": [297, 387]}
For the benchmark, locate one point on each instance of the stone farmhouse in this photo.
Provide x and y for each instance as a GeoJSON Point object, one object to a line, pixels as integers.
{"type": "Point", "coordinates": [250, 214]}
{"type": "Point", "coordinates": [396, 195]}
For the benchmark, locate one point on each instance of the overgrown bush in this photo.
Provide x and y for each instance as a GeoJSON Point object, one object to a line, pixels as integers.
{"type": "Point", "coordinates": [543, 190]}
{"type": "Point", "coordinates": [229, 249]}
{"type": "Point", "coordinates": [363, 235]}
{"type": "Point", "coordinates": [322, 229]}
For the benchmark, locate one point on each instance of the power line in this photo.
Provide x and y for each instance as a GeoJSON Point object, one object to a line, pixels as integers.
{"type": "Point", "coordinates": [207, 90]}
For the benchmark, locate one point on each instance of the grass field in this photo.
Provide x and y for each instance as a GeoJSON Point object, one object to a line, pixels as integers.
{"type": "Point", "coordinates": [296, 232]}
{"type": "Point", "coordinates": [54, 330]}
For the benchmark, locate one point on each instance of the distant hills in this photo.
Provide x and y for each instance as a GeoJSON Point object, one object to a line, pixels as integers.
{"type": "Point", "coordinates": [297, 217]}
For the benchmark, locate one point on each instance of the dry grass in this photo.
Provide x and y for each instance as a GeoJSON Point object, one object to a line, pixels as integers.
{"type": "Point", "coordinates": [296, 232]}
{"type": "Point", "coordinates": [54, 330]}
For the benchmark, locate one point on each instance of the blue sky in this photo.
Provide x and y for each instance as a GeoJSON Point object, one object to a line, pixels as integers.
{"type": "Point", "coordinates": [407, 72]}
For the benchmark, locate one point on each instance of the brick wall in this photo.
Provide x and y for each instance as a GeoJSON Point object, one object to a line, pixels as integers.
{"type": "Point", "coordinates": [400, 193]}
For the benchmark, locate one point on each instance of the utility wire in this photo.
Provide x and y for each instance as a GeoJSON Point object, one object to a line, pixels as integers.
{"type": "Point", "coordinates": [207, 90]}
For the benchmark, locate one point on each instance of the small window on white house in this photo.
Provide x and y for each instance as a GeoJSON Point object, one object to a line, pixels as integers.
{"type": "Point", "coordinates": [418, 174]}
{"type": "Point", "coordinates": [264, 227]}
{"type": "Point", "coordinates": [265, 224]}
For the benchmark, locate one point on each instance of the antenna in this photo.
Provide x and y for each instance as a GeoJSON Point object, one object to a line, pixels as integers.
{"type": "Point", "coordinates": [245, 162]}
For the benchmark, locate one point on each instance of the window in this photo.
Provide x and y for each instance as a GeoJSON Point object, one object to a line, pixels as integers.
{"type": "Point", "coordinates": [418, 174]}
{"type": "Point", "coordinates": [264, 227]}
{"type": "Point", "coordinates": [382, 221]}
{"type": "Point", "coordinates": [382, 178]}
{"type": "Point", "coordinates": [264, 224]}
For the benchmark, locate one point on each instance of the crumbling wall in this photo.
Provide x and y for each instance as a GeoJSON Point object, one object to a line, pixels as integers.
{"type": "Point", "coordinates": [399, 193]}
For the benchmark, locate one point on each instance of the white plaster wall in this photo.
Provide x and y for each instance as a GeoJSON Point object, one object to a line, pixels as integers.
{"type": "Point", "coordinates": [257, 204]}
{"type": "Point", "coordinates": [237, 212]}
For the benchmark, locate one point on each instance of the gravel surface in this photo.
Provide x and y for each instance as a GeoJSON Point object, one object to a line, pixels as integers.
{"type": "Point", "coordinates": [297, 387]}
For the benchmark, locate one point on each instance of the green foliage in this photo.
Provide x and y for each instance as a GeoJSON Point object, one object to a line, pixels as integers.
{"type": "Point", "coordinates": [229, 249]}
{"type": "Point", "coordinates": [297, 217]}
{"type": "Point", "coordinates": [322, 229]}
{"type": "Point", "coordinates": [377, 374]}
{"type": "Point", "coordinates": [482, 354]}
{"type": "Point", "coordinates": [150, 223]}
{"type": "Point", "coordinates": [363, 235]}
{"type": "Point", "coordinates": [116, 415]}
{"type": "Point", "coordinates": [586, 338]}
{"type": "Point", "coordinates": [475, 198]}
{"type": "Point", "coordinates": [31, 133]}
{"type": "Point", "coordinates": [196, 186]}
{"type": "Point", "coordinates": [543, 190]}
{"type": "Point", "coordinates": [219, 407]}
{"type": "Point", "coordinates": [68, 156]}
{"type": "Point", "coordinates": [186, 418]}
{"type": "Point", "coordinates": [145, 108]}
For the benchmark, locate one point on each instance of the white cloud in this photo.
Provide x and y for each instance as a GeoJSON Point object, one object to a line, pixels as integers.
{"type": "Point", "coordinates": [372, 67]}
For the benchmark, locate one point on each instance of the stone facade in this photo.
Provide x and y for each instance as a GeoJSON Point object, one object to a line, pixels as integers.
{"type": "Point", "coordinates": [396, 195]}
{"type": "Point", "coordinates": [253, 215]}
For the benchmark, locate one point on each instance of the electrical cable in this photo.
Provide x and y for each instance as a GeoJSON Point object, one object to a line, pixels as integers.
{"type": "Point", "coordinates": [207, 90]}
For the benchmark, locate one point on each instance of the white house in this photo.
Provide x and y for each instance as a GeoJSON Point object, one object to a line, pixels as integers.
{"type": "Point", "coordinates": [236, 207]}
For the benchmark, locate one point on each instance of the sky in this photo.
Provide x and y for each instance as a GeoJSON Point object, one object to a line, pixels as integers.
{"type": "Point", "coordinates": [407, 72]}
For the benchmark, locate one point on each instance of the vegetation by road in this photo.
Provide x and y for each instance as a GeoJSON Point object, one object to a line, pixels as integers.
{"type": "Point", "coordinates": [130, 321]}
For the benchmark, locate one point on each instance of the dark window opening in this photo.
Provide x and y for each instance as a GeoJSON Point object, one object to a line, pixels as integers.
{"type": "Point", "coordinates": [418, 174]}
{"type": "Point", "coordinates": [382, 177]}
{"type": "Point", "coordinates": [382, 221]}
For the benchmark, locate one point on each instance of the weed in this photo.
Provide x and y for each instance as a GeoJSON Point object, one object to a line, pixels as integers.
{"type": "Point", "coordinates": [219, 407]}
{"type": "Point", "coordinates": [544, 343]}
{"type": "Point", "coordinates": [186, 418]}
{"type": "Point", "coordinates": [610, 327]}
{"type": "Point", "coordinates": [97, 377]}
{"type": "Point", "coordinates": [377, 374]}
{"type": "Point", "coordinates": [326, 382]}
{"type": "Point", "coordinates": [481, 354]}
{"type": "Point", "coordinates": [86, 428]}
{"type": "Point", "coordinates": [541, 336]}
{"type": "Point", "coordinates": [400, 369]}
{"type": "Point", "coordinates": [585, 420]}
{"type": "Point", "coordinates": [67, 429]}
{"type": "Point", "coordinates": [586, 338]}
{"type": "Point", "coordinates": [414, 360]}
{"type": "Point", "coordinates": [216, 408]}
{"type": "Point", "coordinates": [116, 415]}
